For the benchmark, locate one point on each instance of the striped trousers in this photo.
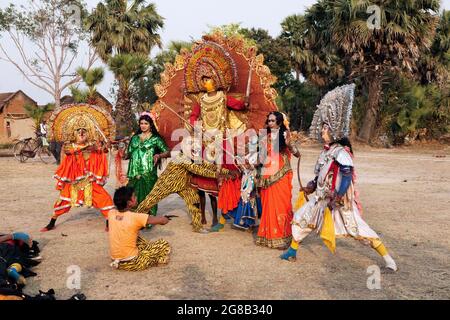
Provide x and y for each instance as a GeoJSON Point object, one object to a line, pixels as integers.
{"type": "Point", "coordinates": [150, 254]}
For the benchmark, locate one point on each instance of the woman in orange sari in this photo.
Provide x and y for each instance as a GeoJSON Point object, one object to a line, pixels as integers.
{"type": "Point", "coordinates": [276, 185]}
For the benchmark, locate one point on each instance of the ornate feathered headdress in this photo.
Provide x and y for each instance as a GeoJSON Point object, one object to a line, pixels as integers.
{"type": "Point", "coordinates": [67, 119]}
{"type": "Point", "coordinates": [335, 109]}
{"type": "Point", "coordinates": [209, 59]}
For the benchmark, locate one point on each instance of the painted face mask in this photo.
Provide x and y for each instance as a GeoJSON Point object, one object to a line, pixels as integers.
{"type": "Point", "coordinates": [209, 85]}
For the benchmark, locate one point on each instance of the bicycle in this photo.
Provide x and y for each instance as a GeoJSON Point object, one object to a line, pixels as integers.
{"type": "Point", "coordinates": [30, 147]}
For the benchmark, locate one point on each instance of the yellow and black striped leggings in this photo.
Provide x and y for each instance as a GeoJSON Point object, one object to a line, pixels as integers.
{"type": "Point", "coordinates": [150, 255]}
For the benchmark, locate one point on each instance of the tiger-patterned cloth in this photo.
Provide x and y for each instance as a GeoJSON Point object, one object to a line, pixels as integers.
{"type": "Point", "coordinates": [150, 254]}
{"type": "Point", "coordinates": [176, 179]}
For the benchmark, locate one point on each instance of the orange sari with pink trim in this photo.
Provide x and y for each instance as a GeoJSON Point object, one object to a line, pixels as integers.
{"type": "Point", "coordinates": [276, 199]}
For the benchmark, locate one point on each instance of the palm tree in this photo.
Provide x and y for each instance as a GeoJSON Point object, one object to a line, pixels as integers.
{"type": "Point", "coordinates": [79, 95]}
{"type": "Point", "coordinates": [294, 32]}
{"type": "Point", "coordinates": [435, 64]}
{"type": "Point", "coordinates": [177, 46]}
{"type": "Point", "coordinates": [313, 54]}
{"type": "Point", "coordinates": [406, 30]}
{"type": "Point", "coordinates": [143, 88]}
{"type": "Point", "coordinates": [126, 67]}
{"type": "Point", "coordinates": [37, 113]}
{"type": "Point", "coordinates": [335, 42]}
{"type": "Point", "coordinates": [120, 28]}
{"type": "Point", "coordinates": [91, 78]}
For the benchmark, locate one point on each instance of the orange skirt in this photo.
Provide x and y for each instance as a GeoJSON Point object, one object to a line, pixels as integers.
{"type": "Point", "coordinates": [229, 195]}
{"type": "Point", "coordinates": [275, 224]}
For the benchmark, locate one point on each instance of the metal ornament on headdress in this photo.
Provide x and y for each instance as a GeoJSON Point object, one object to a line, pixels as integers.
{"type": "Point", "coordinates": [335, 109]}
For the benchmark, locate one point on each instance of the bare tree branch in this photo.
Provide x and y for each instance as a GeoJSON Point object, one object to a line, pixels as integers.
{"type": "Point", "coordinates": [23, 73]}
{"type": "Point", "coordinates": [55, 45]}
{"type": "Point", "coordinates": [25, 60]}
{"type": "Point", "coordinates": [42, 45]}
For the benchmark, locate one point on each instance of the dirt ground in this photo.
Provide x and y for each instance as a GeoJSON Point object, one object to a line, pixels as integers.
{"type": "Point", "coordinates": [406, 199]}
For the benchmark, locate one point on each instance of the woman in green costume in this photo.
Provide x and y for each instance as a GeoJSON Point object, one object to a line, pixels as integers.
{"type": "Point", "coordinates": [145, 150]}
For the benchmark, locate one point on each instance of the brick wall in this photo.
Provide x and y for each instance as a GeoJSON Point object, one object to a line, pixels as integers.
{"type": "Point", "coordinates": [14, 113]}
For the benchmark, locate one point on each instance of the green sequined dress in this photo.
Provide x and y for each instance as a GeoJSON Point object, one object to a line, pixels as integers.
{"type": "Point", "coordinates": [142, 174]}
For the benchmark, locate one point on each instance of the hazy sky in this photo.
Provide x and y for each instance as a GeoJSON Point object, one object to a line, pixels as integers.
{"type": "Point", "coordinates": [184, 19]}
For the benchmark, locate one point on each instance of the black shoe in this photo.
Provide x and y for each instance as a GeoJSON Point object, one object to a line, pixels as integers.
{"type": "Point", "coordinates": [45, 296]}
{"type": "Point", "coordinates": [50, 226]}
{"type": "Point", "coordinates": [34, 250]}
{"type": "Point", "coordinates": [78, 296]}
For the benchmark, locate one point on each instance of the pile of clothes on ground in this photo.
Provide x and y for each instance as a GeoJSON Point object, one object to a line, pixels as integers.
{"type": "Point", "coordinates": [18, 255]}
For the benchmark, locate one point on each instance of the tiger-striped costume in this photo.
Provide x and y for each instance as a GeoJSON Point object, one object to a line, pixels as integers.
{"type": "Point", "coordinates": [176, 179]}
{"type": "Point", "coordinates": [150, 255]}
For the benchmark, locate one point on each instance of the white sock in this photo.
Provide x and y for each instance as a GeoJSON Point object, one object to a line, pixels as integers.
{"type": "Point", "coordinates": [390, 263]}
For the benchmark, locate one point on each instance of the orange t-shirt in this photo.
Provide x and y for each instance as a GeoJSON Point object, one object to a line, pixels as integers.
{"type": "Point", "coordinates": [123, 232]}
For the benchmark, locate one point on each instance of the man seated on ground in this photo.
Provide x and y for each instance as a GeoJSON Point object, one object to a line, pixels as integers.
{"type": "Point", "coordinates": [128, 250]}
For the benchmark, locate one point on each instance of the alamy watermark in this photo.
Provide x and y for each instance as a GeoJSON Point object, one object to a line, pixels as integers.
{"type": "Point", "coordinates": [73, 12]}
{"type": "Point", "coordinates": [74, 279]}
{"type": "Point", "coordinates": [374, 279]}
{"type": "Point", "coordinates": [374, 20]}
